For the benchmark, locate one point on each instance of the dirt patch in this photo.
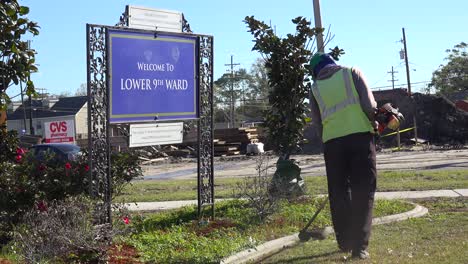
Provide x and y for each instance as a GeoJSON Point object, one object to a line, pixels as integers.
{"type": "Point", "coordinates": [122, 254]}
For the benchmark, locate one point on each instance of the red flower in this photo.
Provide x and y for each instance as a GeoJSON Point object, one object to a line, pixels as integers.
{"type": "Point", "coordinates": [42, 167]}
{"type": "Point", "coordinates": [86, 167]}
{"type": "Point", "coordinates": [20, 151]}
{"type": "Point", "coordinates": [126, 220]}
{"type": "Point", "coordinates": [68, 166]}
{"type": "Point", "coordinates": [18, 158]}
{"type": "Point", "coordinates": [41, 206]}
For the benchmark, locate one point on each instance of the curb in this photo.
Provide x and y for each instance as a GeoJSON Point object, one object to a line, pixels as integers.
{"type": "Point", "coordinates": [274, 246]}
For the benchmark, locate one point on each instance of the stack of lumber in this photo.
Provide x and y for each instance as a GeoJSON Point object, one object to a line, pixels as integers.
{"type": "Point", "coordinates": [231, 141]}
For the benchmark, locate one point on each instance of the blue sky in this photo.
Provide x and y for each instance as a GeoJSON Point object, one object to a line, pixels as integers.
{"type": "Point", "coordinates": [369, 31]}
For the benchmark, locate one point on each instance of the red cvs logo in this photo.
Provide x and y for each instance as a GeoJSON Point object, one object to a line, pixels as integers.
{"type": "Point", "coordinates": [58, 127]}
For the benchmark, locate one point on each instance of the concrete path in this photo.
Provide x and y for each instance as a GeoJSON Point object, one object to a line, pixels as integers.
{"type": "Point", "coordinates": [158, 206]}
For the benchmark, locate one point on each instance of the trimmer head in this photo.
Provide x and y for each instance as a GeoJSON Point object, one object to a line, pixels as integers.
{"type": "Point", "coordinates": [305, 235]}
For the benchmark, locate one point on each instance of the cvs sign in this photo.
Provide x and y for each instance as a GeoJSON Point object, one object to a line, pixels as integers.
{"type": "Point", "coordinates": [59, 131]}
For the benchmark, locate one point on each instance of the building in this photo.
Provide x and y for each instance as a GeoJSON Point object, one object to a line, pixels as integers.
{"type": "Point", "coordinates": [48, 110]}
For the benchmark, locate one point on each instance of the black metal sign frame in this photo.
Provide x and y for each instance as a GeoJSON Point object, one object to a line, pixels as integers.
{"type": "Point", "coordinates": [99, 147]}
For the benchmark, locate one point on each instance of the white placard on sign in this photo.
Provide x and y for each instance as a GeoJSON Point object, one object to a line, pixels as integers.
{"type": "Point", "coordinates": [59, 131]}
{"type": "Point", "coordinates": [155, 134]}
{"type": "Point", "coordinates": [154, 19]}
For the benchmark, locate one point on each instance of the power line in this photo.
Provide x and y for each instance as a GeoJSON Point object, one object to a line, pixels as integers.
{"type": "Point", "coordinates": [383, 77]}
{"type": "Point", "coordinates": [402, 85]}
{"type": "Point", "coordinates": [232, 112]}
{"type": "Point", "coordinates": [393, 78]}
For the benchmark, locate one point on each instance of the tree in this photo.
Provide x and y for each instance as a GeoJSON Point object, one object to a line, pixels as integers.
{"type": "Point", "coordinates": [82, 91]}
{"type": "Point", "coordinates": [255, 101]}
{"type": "Point", "coordinates": [453, 76]}
{"type": "Point", "coordinates": [17, 59]}
{"type": "Point", "coordinates": [259, 87]}
{"type": "Point", "coordinates": [229, 89]}
{"type": "Point", "coordinates": [289, 87]}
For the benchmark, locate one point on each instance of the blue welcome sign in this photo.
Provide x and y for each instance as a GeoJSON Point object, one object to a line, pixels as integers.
{"type": "Point", "coordinates": [152, 76]}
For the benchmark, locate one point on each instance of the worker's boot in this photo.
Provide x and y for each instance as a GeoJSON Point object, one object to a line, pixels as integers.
{"type": "Point", "coordinates": [361, 254]}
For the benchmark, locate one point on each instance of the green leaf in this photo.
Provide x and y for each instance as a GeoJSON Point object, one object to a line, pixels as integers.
{"type": "Point", "coordinates": [24, 10]}
{"type": "Point", "coordinates": [30, 90]}
{"type": "Point", "coordinates": [10, 11]}
{"type": "Point", "coordinates": [21, 21]}
{"type": "Point", "coordinates": [33, 68]}
{"type": "Point", "coordinates": [14, 49]}
{"type": "Point", "coordinates": [34, 31]}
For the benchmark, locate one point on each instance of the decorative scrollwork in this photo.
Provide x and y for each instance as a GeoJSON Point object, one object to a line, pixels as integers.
{"type": "Point", "coordinates": [98, 127]}
{"type": "Point", "coordinates": [205, 125]}
{"type": "Point", "coordinates": [123, 20]}
{"type": "Point", "coordinates": [185, 25]}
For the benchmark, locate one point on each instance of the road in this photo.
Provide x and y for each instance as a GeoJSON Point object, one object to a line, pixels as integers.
{"type": "Point", "coordinates": [312, 165]}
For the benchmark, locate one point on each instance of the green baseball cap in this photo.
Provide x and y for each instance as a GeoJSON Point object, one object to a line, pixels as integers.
{"type": "Point", "coordinates": [315, 60]}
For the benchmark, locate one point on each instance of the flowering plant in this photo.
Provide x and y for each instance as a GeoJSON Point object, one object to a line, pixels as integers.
{"type": "Point", "coordinates": [27, 183]}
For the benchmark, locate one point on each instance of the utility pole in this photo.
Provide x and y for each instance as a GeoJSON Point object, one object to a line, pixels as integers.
{"type": "Point", "coordinates": [393, 87]}
{"type": "Point", "coordinates": [406, 62]}
{"type": "Point", "coordinates": [232, 99]}
{"type": "Point", "coordinates": [409, 86]}
{"type": "Point", "coordinates": [393, 78]}
{"type": "Point", "coordinates": [24, 107]}
{"type": "Point", "coordinates": [318, 24]}
{"type": "Point", "coordinates": [31, 129]}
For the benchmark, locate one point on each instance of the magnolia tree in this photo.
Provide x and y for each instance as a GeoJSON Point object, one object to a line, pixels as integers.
{"type": "Point", "coordinates": [17, 59]}
{"type": "Point", "coordinates": [290, 85]}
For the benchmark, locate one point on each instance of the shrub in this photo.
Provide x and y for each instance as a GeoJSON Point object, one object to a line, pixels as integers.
{"type": "Point", "coordinates": [27, 183]}
{"type": "Point", "coordinates": [256, 190]}
{"type": "Point", "coordinates": [61, 231]}
{"type": "Point", "coordinates": [125, 167]}
{"type": "Point", "coordinates": [8, 144]}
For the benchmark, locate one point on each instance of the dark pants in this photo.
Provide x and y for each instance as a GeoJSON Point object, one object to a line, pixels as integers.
{"type": "Point", "coordinates": [351, 173]}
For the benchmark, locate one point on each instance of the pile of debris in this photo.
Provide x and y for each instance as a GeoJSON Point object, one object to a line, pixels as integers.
{"type": "Point", "coordinates": [227, 142]}
{"type": "Point", "coordinates": [152, 154]}
{"type": "Point", "coordinates": [234, 141]}
{"type": "Point", "coordinates": [439, 121]}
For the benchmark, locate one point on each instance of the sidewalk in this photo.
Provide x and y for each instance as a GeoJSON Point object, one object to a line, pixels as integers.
{"type": "Point", "coordinates": [166, 205]}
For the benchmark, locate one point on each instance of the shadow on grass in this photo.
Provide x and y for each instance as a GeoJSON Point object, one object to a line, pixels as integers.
{"type": "Point", "coordinates": [441, 166]}
{"type": "Point", "coordinates": [309, 258]}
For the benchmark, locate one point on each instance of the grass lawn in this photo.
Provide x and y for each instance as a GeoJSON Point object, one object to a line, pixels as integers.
{"type": "Point", "coordinates": [177, 236]}
{"type": "Point", "coordinates": [439, 237]}
{"type": "Point", "coordinates": [169, 190]}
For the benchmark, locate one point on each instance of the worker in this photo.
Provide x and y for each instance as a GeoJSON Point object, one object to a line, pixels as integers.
{"type": "Point", "coordinates": [342, 109]}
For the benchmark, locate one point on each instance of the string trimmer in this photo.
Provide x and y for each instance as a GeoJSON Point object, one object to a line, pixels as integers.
{"type": "Point", "coordinates": [304, 234]}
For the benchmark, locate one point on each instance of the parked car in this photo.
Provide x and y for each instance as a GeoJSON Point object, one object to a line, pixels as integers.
{"type": "Point", "coordinates": [57, 151]}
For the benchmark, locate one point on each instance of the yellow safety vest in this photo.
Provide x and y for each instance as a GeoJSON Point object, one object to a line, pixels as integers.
{"type": "Point", "coordinates": [339, 106]}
